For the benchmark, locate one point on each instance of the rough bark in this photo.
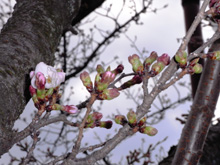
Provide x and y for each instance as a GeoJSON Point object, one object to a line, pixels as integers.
{"type": "Point", "coordinates": [194, 133]}
{"type": "Point", "coordinates": [87, 6]}
{"type": "Point", "coordinates": [31, 35]}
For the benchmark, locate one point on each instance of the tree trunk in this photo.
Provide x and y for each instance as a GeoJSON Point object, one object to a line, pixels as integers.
{"type": "Point", "coordinates": [31, 35]}
{"type": "Point", "coordinates": [194, 133]}
{"type": "Point", "coordinates": [191, 8]}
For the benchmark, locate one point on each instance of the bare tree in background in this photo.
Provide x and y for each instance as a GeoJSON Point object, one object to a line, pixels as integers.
{"type": "Point", "coordinates": [32, 35]}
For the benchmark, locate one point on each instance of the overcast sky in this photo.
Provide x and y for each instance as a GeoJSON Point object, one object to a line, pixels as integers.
{"type": "Point", "coordinates": [159, 33]}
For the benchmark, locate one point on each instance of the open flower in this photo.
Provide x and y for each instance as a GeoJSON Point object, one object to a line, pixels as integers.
{"type": "Point", "coordinates": [53, 77]}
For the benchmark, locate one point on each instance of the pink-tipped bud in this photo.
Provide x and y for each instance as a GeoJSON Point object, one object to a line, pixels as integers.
{"type": "Point", "coordinates": [32, 90]}
{"type": "Point", "coordinates": [121, 119]}
{"type": "Point", "coordinates": [137, 66]}
{"type": "Point", "coordinates": [181, 59]}
{"type": "Point", "coordinates": [105, 124]}
{"type": "Point", "coordinates": [135, 80]}
{"type": "Point", "coordinates": [119, 69]}
{"type": "Point", "coordinates": [142, 122]}
{"type": "Point", "coordinates": [156, 68]}
{"type": "Point", "coordinates": [108, 94]}
{"type": "Point", "coordinates": [86, 80]}
{"type": "Point", "coordinates": [71, 109]}
{"type": "Point", "coordinates": [107, 77]}
{"type": "Point", "coordinates": [97, 116]}
{"type": "Point", "coordinates": [149, 60]}
{"type": "Point", "coordinates": [151, 131]}
{"type": "Point", "coordinates": [100, 69]}
{"type": "Point", "coordinates": [132, 118]}
{"type": "Point", "coordinates": [40, 80]}
{"type": "Point", "coordinates": [164, 58]}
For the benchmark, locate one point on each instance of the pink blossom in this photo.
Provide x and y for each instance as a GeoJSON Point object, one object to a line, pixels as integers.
{"type": "Point", "coordinates": [53, 77]}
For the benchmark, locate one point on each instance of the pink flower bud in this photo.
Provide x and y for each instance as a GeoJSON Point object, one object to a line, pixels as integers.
{"type": "Point", "coordinates": [108, 94]}
{"type": "Point", "coordinates": [151, 131]}
{"type": "Point", "coordinates": [149, 60]}
{"type": "Point", "coordinates": [137, 66]}
{"type": "Point", "coordinates": [72, 109]}
{"type": "Point", "coordinates": [132, 118]}
{"type": "Point", "coordinates": [40, 80]}
{"type": "Point", "coordinates": [135, 80]}
{"type": "Point", "coordinates": [107, 77]}
{"type": "Point", "coordinates": [97, 116]}
{"type": "Point", "coordinates": [84, 76]}
{"type": "Point", "coordinates": [156, 68]}
{"type": "Point", "coordinates": [164, 58]}
{"type": "Point", "coordinates": [142, 122]}
{"type": "Point", "coordinates": [105, 124]}
{"type": "Point", "coordinates": [119, 69]}
{"type": "Point", "coordinates": [32, 90]}
{"type": "Point", "coordinates": [100, 69]}
{"type": "Point", "coordinates": [120, 119]}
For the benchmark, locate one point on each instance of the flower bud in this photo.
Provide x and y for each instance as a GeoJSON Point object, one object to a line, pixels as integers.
{"type": "Point", "coordinates": [105, 124]}
{"type": "Point", "coordinates": [119, 69]}
{"type": "Point", "coordinates": [32, 90]}
{"type": "Point", "coordinates": [149, 60]}
{"type": "Point", "coordinates": [108, 94]}
{"type": "Point", "coordinates": [121, 119]}
{"type": "Point", "coordinates": [97, 116]}
{"type": "Point", "coordinates": [197, 68]}
{"type": "Point", "coordinates": [194, 61]}
{"type": "Point", "coordinates": [107, 77]}
{"type": "Point", "coordinates": [84, 76]}
{"type": "Point", "coordinates": [135, 80]}
{"type": "Point", "coordinates": [71, 109]}
{"type": "Point", "coordinates": [214, 55]}
{"type": "Point", "coordinates": [137, 66]}
{"type": "Point", "coordinates": [151, 131]}
{"type": "Point", "coordinates": [181, 58]}
{"type": "Point", "coordinates": [142, 121]}
{"type": "Point", "coordinates": [40, 80]}
{"type": "Point", "coordinates": [156, 68]}
{"type": "Point", "coordinates": [100, 69]}
{"type": "Point", "coordinates": [132, 118]}
{"type": "Point", "coordinates": [164, 58]}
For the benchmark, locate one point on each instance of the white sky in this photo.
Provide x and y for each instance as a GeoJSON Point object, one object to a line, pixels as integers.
{"type": "Point", "coordinates": [159, 33]}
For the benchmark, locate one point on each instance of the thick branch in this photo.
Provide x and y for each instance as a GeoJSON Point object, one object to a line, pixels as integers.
{"type": "Point", "coordinates": [31, 35]}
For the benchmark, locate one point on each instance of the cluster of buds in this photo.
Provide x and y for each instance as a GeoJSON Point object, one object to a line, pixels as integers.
{"type": "Point", "coordinates": [140, 126]}
{"type": "Point", "coordinates": [102, 81]}
{"type": "Point", "coordinates": [45, 82]}
{"type": "Point", "coordinates": [140, 69]}
{"type": "Point", "coordinates": [215, 9]}
{"type": "Point", "coordinates": [93, 120]}
{"type": "Point", "coordinates": [192, 67]}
